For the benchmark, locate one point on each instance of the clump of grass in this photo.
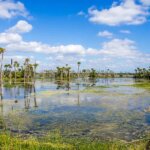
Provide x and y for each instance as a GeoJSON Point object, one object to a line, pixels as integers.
{"type": "Point", "coordinates": [8, 142]}
{"type": "Point", "coordinates": [97, 89]}
{"type": "Point", "coordinates": [145, 85]}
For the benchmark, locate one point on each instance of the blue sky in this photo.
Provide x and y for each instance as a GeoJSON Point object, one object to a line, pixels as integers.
{"type": "Point", "coordinates": [101, 34]}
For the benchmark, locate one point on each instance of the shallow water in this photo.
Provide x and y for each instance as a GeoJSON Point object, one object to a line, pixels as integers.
{"type": "Point", "coordinates": [100, 109]}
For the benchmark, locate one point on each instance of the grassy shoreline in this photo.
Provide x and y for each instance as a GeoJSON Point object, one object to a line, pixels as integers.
{"type": "Point", "coordinates": [11, 142]}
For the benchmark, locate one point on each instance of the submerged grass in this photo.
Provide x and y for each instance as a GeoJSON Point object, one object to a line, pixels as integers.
{"type": "Point", "coordinates": [97, 89]}
{"type": "Point", "coordinates": [145, 85]}
{"type": "Point", "coordinates": [9, 142]}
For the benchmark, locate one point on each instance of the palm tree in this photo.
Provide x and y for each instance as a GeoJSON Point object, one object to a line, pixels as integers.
{"type": "Point", "coordinates": [68, 72]}
{"type": "Point", "coordinates": [35, 67]}
{"type": "Point", "coordinates": [26, 63]}
{"type": "Point", "coordinates": [30, 71]}
{"type": "Point", "coordinates": [6, 67]}
{"type": "Point", "coordinates": [62, 72]}
{"type": "Point", "coordinates": [84, 73]}
{"type": "Point", "coordinates": [2, 50]}
{"type": "Point", "coordinates": [16, 65]}
{"type": "Point", "coordinates": [10, 75]}
{"type": "Point", "coordinates": [78, 63]}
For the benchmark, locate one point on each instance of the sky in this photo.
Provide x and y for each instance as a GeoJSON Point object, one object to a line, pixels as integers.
{"type": "Point", "coordinates": [110, 34]}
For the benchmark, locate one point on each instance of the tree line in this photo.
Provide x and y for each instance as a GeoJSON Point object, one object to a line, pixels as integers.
{"type": "Point", "coordinates": [142, 73]}
{"type": "Point", "coordinates": [15, 72]}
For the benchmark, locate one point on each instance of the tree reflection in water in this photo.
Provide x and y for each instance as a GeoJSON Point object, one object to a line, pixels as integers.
{"type": "Point", "coordinates": [29, 95]}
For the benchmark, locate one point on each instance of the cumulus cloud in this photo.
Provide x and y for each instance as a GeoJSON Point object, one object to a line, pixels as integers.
{"type": "Point", "coordinates": [106, 34]}
{"type": "Point", "coordinates": [120, 48]}
{"type": "Point", "coordinates": [128, 13]}
{"type": "Point", "coordinates": [17, 58]}
{"type": "Point", "coordinates": [21, 27]}
{"type": "Point", "coordinates": [6, 38]}
{"type": "Point", "coordinates": [14, 41]}
{"type": "Point", "coordinates": [81, 13]}
{"type": "Point", "coordinates": [146, 2]}
{"type": "Point", "coordinates": [116, 52]}
{"type": "Point", "coordinates": [10, 8]}
{"type": "Point", "coordinates": [39, 47]}
{"type": "Point", "coordinates": [117, 48]}
{"type": "Point", "coordinates": [125, 31]}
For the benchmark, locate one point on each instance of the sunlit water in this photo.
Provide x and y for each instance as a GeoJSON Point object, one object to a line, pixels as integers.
{"type": "Point", "coordinates": [116, 111]}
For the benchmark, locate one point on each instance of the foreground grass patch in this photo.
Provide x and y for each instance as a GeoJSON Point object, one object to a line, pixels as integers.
{"type": "Point", "coordinates": [8, 142]}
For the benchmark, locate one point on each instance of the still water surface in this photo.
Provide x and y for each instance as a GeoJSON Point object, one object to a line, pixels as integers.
{"type": "Point", "coordinates": [100, 109]}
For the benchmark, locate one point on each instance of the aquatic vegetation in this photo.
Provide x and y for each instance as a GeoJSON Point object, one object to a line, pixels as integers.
{"type": "Point", "coordinates": [145, 85]}
{"type": "Point", "coordinates": [7, 141]}
{"type": "Point", "coordinates": [97, 89]}
{"type": "Point", "coordinates": [13, 142]}
{"type": "Point", "coordinates": [52, 93]}
{"type": "Point", "coordinates": [88, 116]}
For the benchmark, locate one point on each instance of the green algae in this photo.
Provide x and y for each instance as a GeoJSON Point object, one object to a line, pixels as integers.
{"type": "Point", "coordinates": [145, 85]}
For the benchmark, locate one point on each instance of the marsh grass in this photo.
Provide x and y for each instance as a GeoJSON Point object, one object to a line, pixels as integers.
{"type": "Point", "coordinates": [8, 142]}
{"type": "Point", "coordinates": [145, 85]}
{"type": "Point", "coordinates": [56, 142]}
{"type": "Point", "coordinates": [97, 89]}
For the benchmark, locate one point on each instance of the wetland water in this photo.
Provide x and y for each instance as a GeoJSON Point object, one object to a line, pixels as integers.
{"type": "Point", "coordinates": [102, 109]}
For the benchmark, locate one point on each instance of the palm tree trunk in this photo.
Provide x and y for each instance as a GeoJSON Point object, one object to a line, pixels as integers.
{"type": "Point", "coordinates": [15, 74]}
{"type": "Point", "coordinates": [34, 74]}
{"type": "Point", "coordinates": [1, 70]}
{"type": "Point", "coordinates": [24, 75]}
{"type": "Point", "coordinates": [78, 71]}
{"type": "Point", "coordinates": [10, 77]}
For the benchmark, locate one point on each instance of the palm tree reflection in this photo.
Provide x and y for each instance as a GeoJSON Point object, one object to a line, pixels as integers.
{"type": "Point", "coordinates": [1, 98]}
{"type": "Point", "coordinates": [78, 94]}
{"type": "Point", "coordinates": [29, 89]}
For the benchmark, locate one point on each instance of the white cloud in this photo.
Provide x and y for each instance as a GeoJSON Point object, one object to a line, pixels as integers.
{"type": "Point", "coordinates": [14, 41]}
{"type": "Point", "coordinates": [146, 2]}
{"type": "Point", "coordinates": [17, 58]}
{"type": "Point", "coordinates": [125, 31]}
{"type": "Point", "coordinates": [117, 48]}
{"type": "Point", "coordinates": [106, 34]}
{"type": "Point", "coordinates": [117, 52]}
{"type": "Point", "coordinates": [9, 9]}
{"type": "Point", "coordinates": [120, 48]}
{"type": "Point", "coordinates": [128, 13]}
{"type": "Point", "coordinates": [81, 13]}
{"type": "Point", "coordinates": [6, 38]}
{"type": "Point", "coordinates": [21, 27]}
{"type": "Point", "coordinates": [38, 47]}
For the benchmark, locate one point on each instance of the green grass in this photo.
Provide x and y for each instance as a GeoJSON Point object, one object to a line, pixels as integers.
{"type": "Point", "coordinates": [9, 142]}
{"type": "Point", "coordinates": [145, 85]}
{"type": "Point", "coordinates": [97, 89]}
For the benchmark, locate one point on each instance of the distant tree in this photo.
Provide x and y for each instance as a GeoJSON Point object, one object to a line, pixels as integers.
{"type": "Point", "coordinates": [78, 63]}
{"type": "Point", "coordinates": [35, 65]}
{"type": "Point", "coordinates": [26, 75]}
{"type": "Point", "coordinates": [16, 66]}
{"type": "Point", "coordinates": [2, 50]}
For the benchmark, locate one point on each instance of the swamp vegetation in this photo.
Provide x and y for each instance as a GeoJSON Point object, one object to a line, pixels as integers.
{"type": "Point", "coordinates": [95, 114]}
{"type": "Point", "coordinates": [64, 109]}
